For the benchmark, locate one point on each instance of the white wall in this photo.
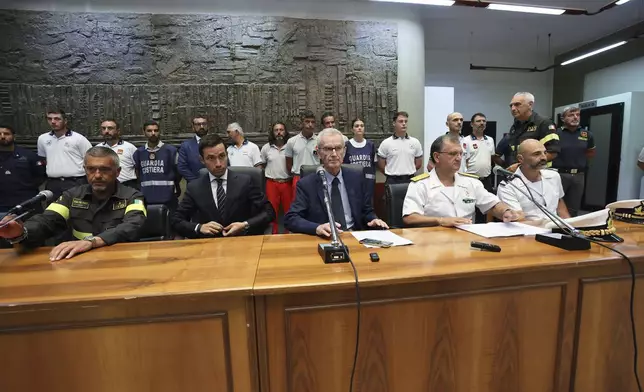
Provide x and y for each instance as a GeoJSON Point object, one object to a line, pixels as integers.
{"type": "Point", "coordinates": [411, 38]}
{"type": "Point", "coordinates": [488, 92]}
{"type": "Point", "coordinates": [620, 78]}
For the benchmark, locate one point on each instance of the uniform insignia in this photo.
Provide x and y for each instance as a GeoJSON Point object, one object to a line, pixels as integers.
{"type": "Point", "coordinates": [532, 128]}
{"type": "Point", "coordinates": [40, 163]}
{"type": "Point", "coordinates": [119, 205]}
{"type": "Point", "coordinates": [153, 155]}
{"type": "Point", "coordinates": [476, 146]}
{"type": "Point", "coordinates": [469, 175]}
{"type": "Point", "coordinates": [80, 203]}
{"type": "Point", "coordinates": [48, 142]}
{"type": "Point", "coordinates": [464, 145]}
{"type": "Point", "coordinates": [8, 173]}
{"type": "Point", "coordinates": [420, 177]}
{"type": "Point", "coordinates": [469, 201]}
{"type": "Point", "coordinates": [119, 151]}
{"type": "Point", "coordinates": [584, 134]}
{"type": "Point", "coordinates": [582, 138]}
{"type": "Point", "coordinates": [137, 201]}
{"type": "Point", "coordinates": [552, 127]}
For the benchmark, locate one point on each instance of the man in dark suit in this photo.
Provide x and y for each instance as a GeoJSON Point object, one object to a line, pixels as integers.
{"type": "Point", "coordinates": [221, 203]}
{"type": "Point", "coordinates": [189, 162]}
{"type": "Point", "coordinates": [350, 198]}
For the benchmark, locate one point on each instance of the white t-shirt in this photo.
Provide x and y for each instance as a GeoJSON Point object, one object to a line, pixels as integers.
{"type": "Point", "coordinates": [400, 153]}
{"type": "Point", "coordinates": [125, 151]}
{"type": "Point", "coordinates": [275, 160]}
{"type": "Point", "coordinates": [65, 155]}
{"type": "Point", "coordinates": [247, 155]}
{"type": "Point", "coordinates": [547, 192]}
{"type": "Point", "coordinates": [303, 151]}
{"type": "Point", "coordinates": [641, 157]}
{"type": "Point", "coordinates": [477, 153]}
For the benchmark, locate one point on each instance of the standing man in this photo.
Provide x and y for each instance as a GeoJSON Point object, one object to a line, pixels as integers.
{"type": "Point", "coordinates": [64, 151]}
{"type": "Point", "coordinates": [445, 197]}
{"type": "Point", "coordinates": [242, 152]}
{"type": "Point", "coordinates": [530, 125]}
{"type": "Point", "coordinates": [189, 163]}
{"type": "Point", "coordinates": [479, 148]}
{"type": "Point", "coordinates": [400, 155]}
{"type": "Point", "coordinates": [327, 120]}
{"type": "Point", "coordinates": [278, 180]}
{"type": "Point", "coordinates": [111, 132]}
{"type": "Point", "coordinates": [454, 124]}
{"type": "Point", "coordinates": [544, 185]}
{"type": "Point", "coordinates": [21, 171]}
{"type": "Point", "coordinates": [221, 203]}
{"type": "Point", "coordinates": [577, 145]}
{"type": "Point", "coordinates": [301, 149]}
{"type": "Point", "coordinates": [156, 167]}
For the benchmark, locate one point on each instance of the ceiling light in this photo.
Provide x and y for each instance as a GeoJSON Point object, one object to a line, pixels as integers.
{"type": "Point", "coordinates": [620, 2]}
{"type": "Point", "coordinates": [424, 2]}
{"type": "Point", "coordinates": [594, 52]}
{"type": "Point", "coordinates": [524, 8]}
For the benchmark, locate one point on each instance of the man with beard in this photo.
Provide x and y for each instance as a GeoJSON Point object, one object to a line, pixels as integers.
{"type": "Point", "coordinates": [445, 197]}
{"type": "Point", "coordinates": [577, 146]}
{"type": "Point", "coordinates": [279, 189]}
{"type": "Point", "coordinates": [155, 165]}
{"type": "Point", "coordinates": [189, 162]}
{"type": "Point", "coordinates": [543, 184]}
{"type": "Point", "coordinates": [111, 132]}
{"type": "Point", "coordinates": [454, 124]}
{"type": "Point", "coordinates": [101, 213]}
{"type": "Point", "coordinates": [21, 171]}
{"type": "Point", "coordinates": [64, 151]}
{"type": "Point", "coordinates": [301, 149]}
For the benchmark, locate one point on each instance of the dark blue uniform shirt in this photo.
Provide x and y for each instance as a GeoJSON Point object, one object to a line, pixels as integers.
{"type": "Point", "coordinates": [21, 173]}
{"type": "Point", "coordinates": [574, 145]}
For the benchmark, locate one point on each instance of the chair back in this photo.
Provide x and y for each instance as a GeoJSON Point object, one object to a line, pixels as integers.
{"type": "Point", "coordinates": [157, 224]}
{"type": "Point", "coordinates": [256, 174]}
{"type": "Point", "coordinates": [395, 198]}
{"type": "Point", "coordinates": [305, 170]}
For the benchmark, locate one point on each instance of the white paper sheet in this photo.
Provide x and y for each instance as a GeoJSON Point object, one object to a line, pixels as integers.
{"type": "Point", "coordinates": [381, 235]}
{"type": "Point", "coordinates": [500, 229]}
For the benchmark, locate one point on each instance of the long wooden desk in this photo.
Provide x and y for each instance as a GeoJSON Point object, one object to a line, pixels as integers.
{"type": "Point", "coordinates": [165, 316]}
{"type": "Point", "coordinates": [265, 314]}
{"type": "Point", "coordinates": [437, 316]}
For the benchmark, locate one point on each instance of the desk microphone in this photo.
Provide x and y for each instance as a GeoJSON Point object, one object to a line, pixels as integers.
{"type": "Point", "coordinates": [335, 252]}
{"type": "Point", "coordinates": [40, 197]}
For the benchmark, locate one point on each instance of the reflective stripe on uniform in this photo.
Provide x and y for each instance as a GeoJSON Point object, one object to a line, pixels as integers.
{"type": "Point", "coordinates": [136, 207]}
{"type": "Point", "coordinates": [79, 234]}
{"type": "Point", "coordinates": [157, 183]}
{"type": "Point", "coordinates": [60, 209]}
{"type": "Point", "coordinates": [549, 137]}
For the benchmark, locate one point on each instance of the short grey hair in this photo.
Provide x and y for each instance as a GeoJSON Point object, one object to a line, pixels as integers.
{"type": "Point", "coordinates": [328, 132]}
{"type": "Point", "coordinates": [571, 108]}
{"type": "Point", "coordinates": [235, 127]}
{"type": "Point", "coordinates": [101, 152]}
{"type": "Point", "coordinates": [526, 95]}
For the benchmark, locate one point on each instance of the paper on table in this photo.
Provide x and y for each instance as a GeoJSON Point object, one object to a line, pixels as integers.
{"type": "Point", "coordinates": [381, 235]}
{"type": "Point", "coordinates": [500, 229]}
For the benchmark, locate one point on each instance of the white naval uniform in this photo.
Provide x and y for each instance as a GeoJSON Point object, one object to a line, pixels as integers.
{"type": "Point", "coordinates": [429, 197]}
{"type": "Point", "coordinates": [547, 192]}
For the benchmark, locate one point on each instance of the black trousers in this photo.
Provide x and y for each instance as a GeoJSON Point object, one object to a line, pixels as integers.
{"type": "Point", "coordinates": [59, 185]}
{"type": "Point", "coordinates": [488, 183]}
{"type": "Point", "coordinates": [398, 179]}
{"type": "Point", "coordinates": [573, 187]}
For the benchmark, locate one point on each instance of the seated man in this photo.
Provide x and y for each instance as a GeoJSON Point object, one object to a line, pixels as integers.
{"type": "Point", "coordinates": [221, 203]}
{"type": "Point", "coordinates": [445, 197]}
{"type": "Point", "coordinates": [544, 185]}
{"type": "Point", "coordinates": [349, 192]}
{"type": "Point", "coordinates": [100, 213]}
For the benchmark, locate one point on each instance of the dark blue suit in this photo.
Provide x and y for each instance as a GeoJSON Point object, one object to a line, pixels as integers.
{"type": "Point", "coordinates": [188, 163]}
{"type": "Point", "coordinates": [307, 211]}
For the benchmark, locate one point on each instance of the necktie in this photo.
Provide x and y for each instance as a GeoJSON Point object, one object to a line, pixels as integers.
{"type": "Point", "coordinates": [336, 203]}
{"type": "Point", "coordinates": [221, 196]}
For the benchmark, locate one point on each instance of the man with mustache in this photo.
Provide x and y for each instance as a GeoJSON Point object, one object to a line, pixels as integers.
{"type": "Point", "coordinates": [544, 185]}
{"type": "Point", "coordinates": [279, 189]}
{"type": "Point", "coordinates": [111, 132]}
{"type": "Point", "coordinates": [189, 162]}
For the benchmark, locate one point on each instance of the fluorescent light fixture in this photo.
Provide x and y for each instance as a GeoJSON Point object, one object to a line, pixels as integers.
{"type": "Point", "coordinates": [525, 8]}
{"type": "Point", "coordinates": [594, 52]}
{"type": "Point", "coordinates": [446, 3]}
{"type": "Point", "coordinates": [620, 2]}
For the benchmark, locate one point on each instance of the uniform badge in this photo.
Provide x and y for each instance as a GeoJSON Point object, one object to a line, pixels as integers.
{"type": "Point", "coordinates": [584, 134]}
{"type": "Point", "coordinates": [476, 146]}
{"type": "Point", "coordinates": [464, 146]}
{"type": "Point", "coordinates": [80, 203]}
{"type": "Point", "coordinates": [552, 127]}
{"type": "Point", "coordinates": [153, 155]}
{"type": "Point", "coordinates": [48, 142]}
{"type": "Point", "coordinates": [119, 151]}
{"type": "Point", "coordinates": [531, 129]}
{"type": "Point", "coordinates": [8, 173]}
{"type": "Point", "coordinates": [467, 200]}
{"type": "Point", "coordinates": [119, 205]}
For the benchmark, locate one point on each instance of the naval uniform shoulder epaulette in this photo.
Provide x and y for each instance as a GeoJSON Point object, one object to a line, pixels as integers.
{"type": "Point", "coordinates": [469, 175]}
{"type": "Point", "coordinates": [420, 177]}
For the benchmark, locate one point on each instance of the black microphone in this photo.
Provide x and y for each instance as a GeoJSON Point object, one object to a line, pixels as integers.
{"type": "Point", "coordinates": [499, 171]}
{"type": "Point", "coordinates": [40, 197]}
{"type": "Point", "coordinates": [336, 251]}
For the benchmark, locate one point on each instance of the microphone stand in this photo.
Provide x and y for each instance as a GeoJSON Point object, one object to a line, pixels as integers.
{"type": "Point", "coordinates": [15, 218]}
{"type": "Point", "coordinates": [336, 251]}
{"type": "Point", "coordinates": [572, 239]}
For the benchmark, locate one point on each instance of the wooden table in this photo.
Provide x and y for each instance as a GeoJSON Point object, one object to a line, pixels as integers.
{"type": "Point", "coordinates": [162, 316]}
{"type": "Point", "coordinates": [437, 316]}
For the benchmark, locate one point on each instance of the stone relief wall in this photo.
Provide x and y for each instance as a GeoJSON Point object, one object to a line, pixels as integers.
{"type": "Point", "coordinates": [135, 67]}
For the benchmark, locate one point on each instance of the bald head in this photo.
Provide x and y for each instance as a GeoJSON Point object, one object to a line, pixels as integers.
{"type": "Point", "coordinates": [529, 145]}
{"type": "Point", "coordinates": [532, 156]}
{"type": "Point", "coordinates": [455, 122]}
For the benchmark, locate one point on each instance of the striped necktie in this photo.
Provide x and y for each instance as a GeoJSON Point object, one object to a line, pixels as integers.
{"type": "Point", "coordinates": [221, 196]}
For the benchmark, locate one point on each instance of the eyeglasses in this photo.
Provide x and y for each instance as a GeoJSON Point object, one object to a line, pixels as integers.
{"type": "Point", "coordinates": [330, 150]}
{"type": "Point", "coordinates": [452, 154]}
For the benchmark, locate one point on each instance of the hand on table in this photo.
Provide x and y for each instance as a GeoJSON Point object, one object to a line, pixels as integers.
{"type": "Point", "coordinates": [324, 230]}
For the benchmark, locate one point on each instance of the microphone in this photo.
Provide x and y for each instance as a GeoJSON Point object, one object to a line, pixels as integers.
{"type": "Point", "coordinates": [40, 197]}
{"type": "Point", "coordinates": [335, 252]}
{"type": "Point", "coordinates": [499, 171]}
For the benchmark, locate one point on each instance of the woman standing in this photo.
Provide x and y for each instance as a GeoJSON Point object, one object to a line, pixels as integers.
{"type": "Point", "coordinates": [361, 151]}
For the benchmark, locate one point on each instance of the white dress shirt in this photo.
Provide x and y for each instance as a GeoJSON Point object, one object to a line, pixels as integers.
{"type": "Point", "coordinates": [547, 192]}
{"type": "Point", "coordinates": [214, 185]}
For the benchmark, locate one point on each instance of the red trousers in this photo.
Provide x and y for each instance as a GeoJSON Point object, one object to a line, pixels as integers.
{"type": "Point", "coordinates": [295, 180]}
{"type": "Point", "coordinates": [279, 193]}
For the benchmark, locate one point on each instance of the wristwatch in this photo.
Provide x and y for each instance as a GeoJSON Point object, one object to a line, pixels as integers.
{"type": "Point", "coordinates": [20, 238]}
{"type": "Point", "coordinates": [91, 239]}
{"type": "Point", "coordinates": [246, 226]}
